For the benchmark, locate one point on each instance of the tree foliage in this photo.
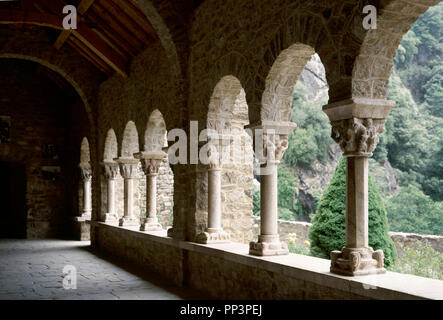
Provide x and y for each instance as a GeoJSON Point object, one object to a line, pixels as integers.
{"type": "Point", "coordinates": [413, 211]}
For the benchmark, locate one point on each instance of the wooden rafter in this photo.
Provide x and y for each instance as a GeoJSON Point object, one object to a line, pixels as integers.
{"type": "Point", "coordinates": [64, 35]}
{"type": "Point", "coordinates": [90, 39]}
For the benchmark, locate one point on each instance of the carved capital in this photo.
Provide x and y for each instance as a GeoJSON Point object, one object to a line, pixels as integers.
{"type": "Point", "coordinates": [270, 139]}
{"type": "Point", "coordinates": [86, 173]}
{"type": "Point", "coordinates": [128, 167]}
{"type": "Point", "coordinates": [356, 136]}
{"type": "Point", "coordinates": [151, 166]}
{"type": "Point", "coordinates": [214, 158]}
{"type": "Point", "coordinates": [274, 146]}
{"type": "Point", "coordinates": [110, 170]}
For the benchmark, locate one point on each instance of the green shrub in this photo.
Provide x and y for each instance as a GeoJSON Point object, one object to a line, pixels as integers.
{"type": "Point", "coordinates": [328, 231]}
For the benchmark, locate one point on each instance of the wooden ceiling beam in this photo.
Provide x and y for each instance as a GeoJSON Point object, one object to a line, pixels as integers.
{"type": "Point", "coordinates": [84, 6]}
{"type": "Point", "coordinates": [120, 42]}
{"type": "Point", "coordinates": [88, 37]}
{"type": "Point", "coordinates": [64, 35]}
{"type": "Point", "coordinates": [136, 15]}
{"type": "Point", "coordinates": [125, 21]}
{"type": "Point", "coordinates": [82, 49]}
{"type": "Point", "coordinates": [117, 27]}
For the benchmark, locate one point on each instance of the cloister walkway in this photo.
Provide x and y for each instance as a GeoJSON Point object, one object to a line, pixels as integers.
{"type": "Point", "coordinates": [33, 269]}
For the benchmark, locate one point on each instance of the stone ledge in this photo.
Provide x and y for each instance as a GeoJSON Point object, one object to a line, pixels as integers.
{"type": "Point", "coordinates": [310, 269]}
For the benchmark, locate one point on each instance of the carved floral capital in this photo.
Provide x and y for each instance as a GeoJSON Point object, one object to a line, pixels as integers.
{"type": "Point", "coordinates": [151, 166]}
{"type": "Point", "coordinates": [110, 170]}
{"type": "Point", "coordinates": [85, 171]}
{"type": "Point", "coordinates": [128, 167]}
{"type": "Point", "coordinates": [356, 136]}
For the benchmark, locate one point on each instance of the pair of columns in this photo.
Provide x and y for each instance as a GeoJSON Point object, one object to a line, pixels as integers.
{"type": "Point", "coordinates": [356, 124]}
{"type": "Point", "coordinates": [128, 169]}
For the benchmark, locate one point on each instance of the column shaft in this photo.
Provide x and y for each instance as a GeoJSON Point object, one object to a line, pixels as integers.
{"type": "Point", "coordinates": [111, 194]}
{"type": "Point", "coordinates": [214, 199]}
{"type": "Point", "coordinates": [129, 197]}
{"type": "Point", "coordinates": [357, 202]}
{"type": "Point", "coordinates": [268, 201]}
{"type": "Point", "coordinates": [151, 197]}
{"type": "Point", "coordinates": [87, 207]}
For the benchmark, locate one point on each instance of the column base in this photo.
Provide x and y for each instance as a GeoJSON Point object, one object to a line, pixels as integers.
{"type": "Point", "coordinates": [268, 245]}
{"type": "Point", "coordinates": [128, 222]}
{"type": "Point", "coordinates": [357, 261]}
{"type": "Point", "coordinates": [110, 218]}
{"type": "Point", "coordinates": [151, 225]}
{"type": "Point", "coordinates": [175, 233]}
{"type": "Point", "coordinates": [213, 236]}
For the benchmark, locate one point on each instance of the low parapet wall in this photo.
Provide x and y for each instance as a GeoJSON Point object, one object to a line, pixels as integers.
{"type": "Point", "coordinates": [401, 239]}
{"type": "Point", "coordinates": [227, 271]}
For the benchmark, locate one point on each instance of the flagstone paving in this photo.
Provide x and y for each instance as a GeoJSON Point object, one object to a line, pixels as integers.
{"type": "Point", "coordinates": [33, 269]}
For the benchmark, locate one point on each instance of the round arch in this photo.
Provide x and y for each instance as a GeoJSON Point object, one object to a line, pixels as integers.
{"type": "Point", "coordinates": [280, 82]}
{"type": "Point", "coordinates": [373, 65]}
{"type": "Point", "coordinates": [155, 134]}
{"type": "Point", "coordinates": [111, 146]}
{"type": "Point", "coordinates": [130, 141]}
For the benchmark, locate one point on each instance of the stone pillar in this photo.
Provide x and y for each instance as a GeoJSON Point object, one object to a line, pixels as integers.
{"type": "Point", "coordinates": [356, 124]}
{"type": "Point", "coordinates": [110, 171]}
{"type": "Point", "coordinates": [214, 232]}
{"type": "Point", "coordinates": [86, 175]}
{"type": "Point", "coordinates": [151, 163]}
{"type": "Point", "coordinates": [270, 143]}
{"type": "Point", "coordinates": [128, 170]}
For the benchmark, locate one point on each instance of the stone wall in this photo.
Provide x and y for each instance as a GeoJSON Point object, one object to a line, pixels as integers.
{"type": "Point", "coordinates": [401, 239]}
{"type": "Point", "coordinates": [42, 115]}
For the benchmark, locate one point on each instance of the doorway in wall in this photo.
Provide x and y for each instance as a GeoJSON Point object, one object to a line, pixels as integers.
{"type": "Point", "coordinates": [13, 200]}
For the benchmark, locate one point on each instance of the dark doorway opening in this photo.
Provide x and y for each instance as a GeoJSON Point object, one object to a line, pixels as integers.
{"type": "Point", "coordinates": [13, 200]}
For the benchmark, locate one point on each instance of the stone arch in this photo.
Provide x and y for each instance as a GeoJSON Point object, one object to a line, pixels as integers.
{"type": "Point", "coordinates": [280, 82]}
{"type": "Point", "coordinates": [111, 146]}
{"type": "Point", "coordinates": [130, 141]}
{"type": "Point", "coordinates": [296, 39]}
{"type": "Point", "coordinates": [85, 155]}
{"type": "Point", "coordinates": [227, 115]}
{"type": "Point", "coordinates": [227, 104]}
{"type": "Point", "coordinates": [232, 65]}
{"type": "Point", "coordinates": [373, 65]}
{"type": "Point", "coordinates": [155, 134]}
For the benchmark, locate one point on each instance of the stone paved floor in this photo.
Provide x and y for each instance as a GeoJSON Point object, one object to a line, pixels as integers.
{"type": "Point", "coordinates": [33, 269]}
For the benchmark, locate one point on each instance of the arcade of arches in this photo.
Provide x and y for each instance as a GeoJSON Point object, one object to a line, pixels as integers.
{"type": "Point", "coordinates": [89, 123]}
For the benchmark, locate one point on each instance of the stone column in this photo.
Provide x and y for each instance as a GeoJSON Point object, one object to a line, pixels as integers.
{"type": "Point", "coordinates": [110, 171]}
{"type": "Point", "coordinates": [214, 232]}
{"type": "Point", "coordinates": [86, 175]}
{"type": "Point", "coordinates": [356, 124]}
{"type": "Point", "coordinates": [128, 170]}
{"type": "Point", "coordinates": [151, 163]}
{"type": "Point", "coordinates": [270, 143]}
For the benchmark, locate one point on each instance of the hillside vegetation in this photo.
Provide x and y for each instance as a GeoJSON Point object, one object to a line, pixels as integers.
{"type": "Point", "coordinates": [412, 143]}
